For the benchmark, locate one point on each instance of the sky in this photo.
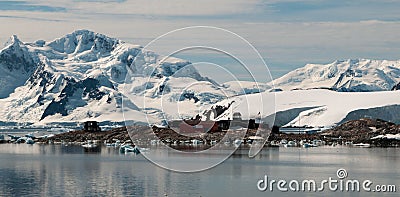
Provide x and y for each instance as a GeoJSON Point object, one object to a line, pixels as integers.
{"type": "Point", "coordinates": [287, 33]}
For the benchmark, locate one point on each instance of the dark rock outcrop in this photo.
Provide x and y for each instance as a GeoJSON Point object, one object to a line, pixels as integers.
{"type": "Point", "coordinates": [83, 136]}
{"type": "Point", "coordinates": [362, 130]}
{"type": "Point", "coordinates": [89, 86]}
{"type": "Point", "coordinates": [396, 87]}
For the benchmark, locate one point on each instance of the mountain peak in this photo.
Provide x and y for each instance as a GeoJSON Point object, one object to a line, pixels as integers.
{"type": "Point", "coordinates": [90, 33]}
{"type": "Point", "coordinates": [84, 40]}
{"type": "Point", "coordinates": [344, 75]}
{"type": "Point", "coordinates": [13, 40]}
{"type": "Point", "coordinates": [350, 61]}
{"type": "Point", "coordinates": [83, 31]}
{"type": "Point", "coordinates": [16, 64]}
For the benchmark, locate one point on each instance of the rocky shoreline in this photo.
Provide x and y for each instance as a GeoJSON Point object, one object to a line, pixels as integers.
{"type": "Point", "coordinates": [81, 136]}
{"type": "Point", "coordinates": [355, 131]}
{"type": "Point", "coordinates": [365, 130]}
{"type": "Point", "coordinates": [144, 134]}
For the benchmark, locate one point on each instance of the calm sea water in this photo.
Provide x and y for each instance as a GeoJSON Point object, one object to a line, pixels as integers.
{"type": "Point", "coordinates": [55, 170]}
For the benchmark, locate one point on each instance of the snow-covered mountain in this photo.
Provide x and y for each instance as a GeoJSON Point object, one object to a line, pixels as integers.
{"type": "Point", "coordinates": [326, 95]}
{"type": "Point", "coordinates": [83, 76]}
{"type": "Point", "coordinates": [89, 76]}
{"type": "Point", "coordinates": [344, 76]}
{"type": "Point", "coordinates": [16, 66]}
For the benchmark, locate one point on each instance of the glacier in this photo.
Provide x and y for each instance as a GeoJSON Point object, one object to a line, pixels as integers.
{"type": "Point", "coordinates": [316, 107]}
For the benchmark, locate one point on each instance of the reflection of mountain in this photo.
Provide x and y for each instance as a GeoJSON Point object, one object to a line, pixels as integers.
{"type": "Point", "coordinates": [66, 171]}
{"type": "Point", "coordinates": [12, 178]}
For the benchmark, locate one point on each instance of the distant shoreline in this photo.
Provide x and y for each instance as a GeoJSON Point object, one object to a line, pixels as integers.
{"type": "Point", "coordinates": [366, 131]}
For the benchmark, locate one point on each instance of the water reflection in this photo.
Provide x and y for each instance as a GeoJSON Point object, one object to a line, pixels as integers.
{"type": "Point", "coordinates": [55, 170]}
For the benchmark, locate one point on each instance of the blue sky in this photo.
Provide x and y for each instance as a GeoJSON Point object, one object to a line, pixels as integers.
{"type": "Point", "coordinates": [287, 33]}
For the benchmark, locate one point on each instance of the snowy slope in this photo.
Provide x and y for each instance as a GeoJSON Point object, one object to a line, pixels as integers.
{"type": "Point", "coordinates": [344, 76]}
{"type": "Point", "coordinates": [329, 107]}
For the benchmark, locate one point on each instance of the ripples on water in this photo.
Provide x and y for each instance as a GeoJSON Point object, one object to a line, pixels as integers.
{"type": "Point", "coordinates": [55, 170]}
